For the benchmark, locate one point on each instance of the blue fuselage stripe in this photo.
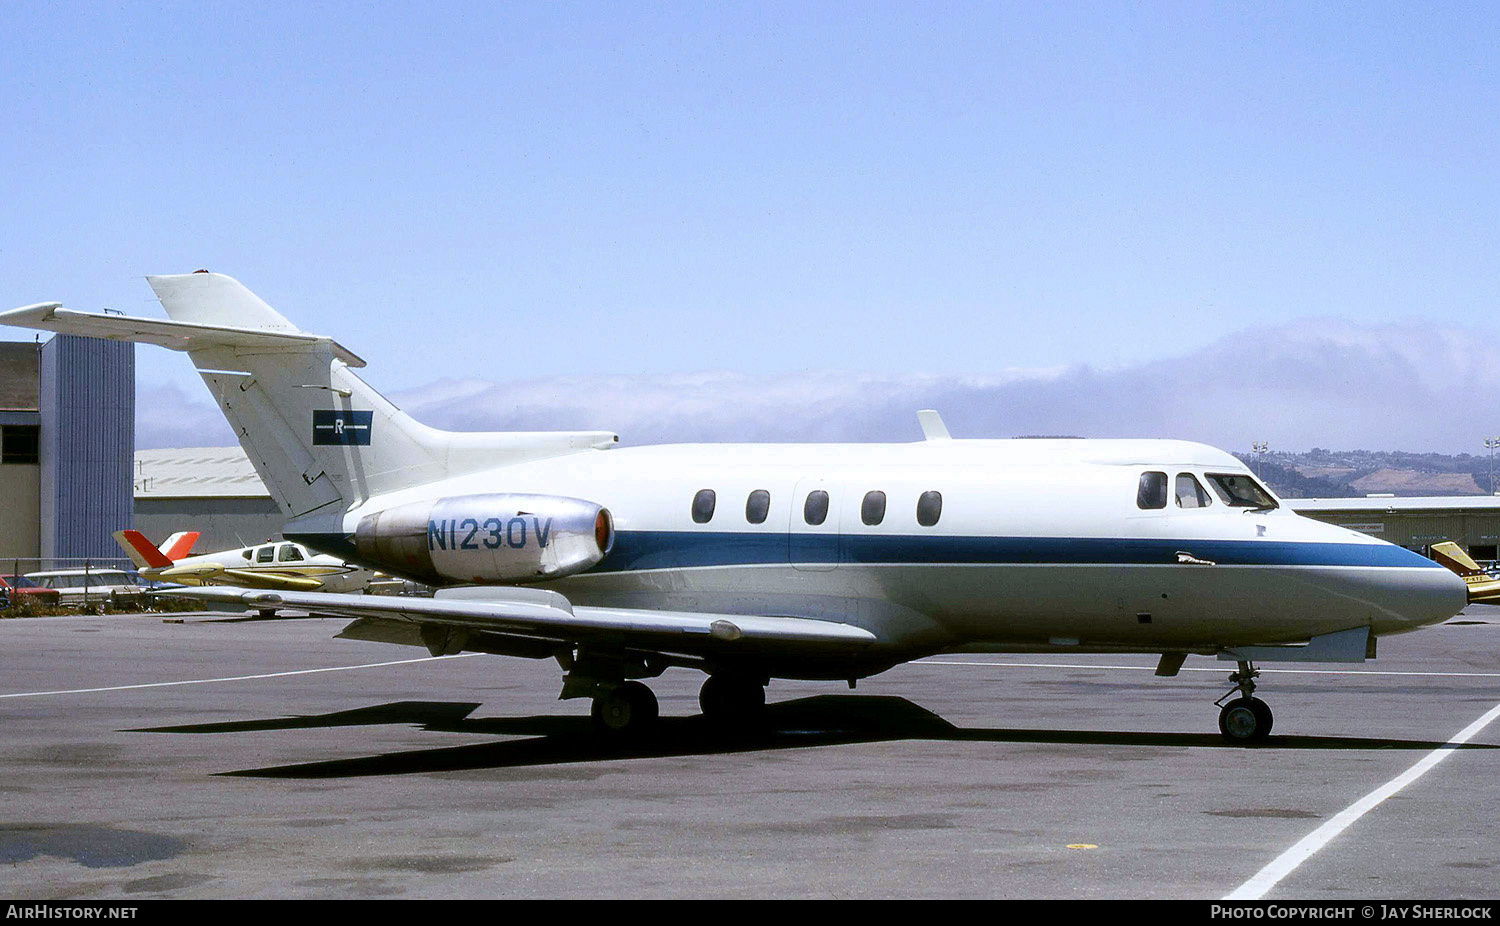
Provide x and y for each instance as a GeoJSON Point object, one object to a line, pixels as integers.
{"type": "Point", "coordinates": [683, 549]}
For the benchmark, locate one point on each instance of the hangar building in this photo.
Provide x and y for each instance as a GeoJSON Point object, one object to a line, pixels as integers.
{"type": "Point", "coordinates": [212, 490]}
{"type": "Point", "coordinates": [67, 435]}
{"type": "Point", "coordinates": [1472, 521]}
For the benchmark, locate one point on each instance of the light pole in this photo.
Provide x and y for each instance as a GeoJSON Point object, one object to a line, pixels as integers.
{"type": "Point", "coordinates": [1260, 449]}
{"type": "Point", "coordinates": [1491, 444]}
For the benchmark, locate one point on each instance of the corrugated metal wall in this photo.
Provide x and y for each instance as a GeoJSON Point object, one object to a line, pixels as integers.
{"type": "Point", "coordinates": [87, 445]}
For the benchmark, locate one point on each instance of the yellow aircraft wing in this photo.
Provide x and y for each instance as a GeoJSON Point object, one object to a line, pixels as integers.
{"type": "Point", "coordinates": [213, 574]}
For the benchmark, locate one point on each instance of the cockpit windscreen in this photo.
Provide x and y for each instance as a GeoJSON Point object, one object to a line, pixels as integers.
{"type": "Point", "coordinates": [1240, 491]}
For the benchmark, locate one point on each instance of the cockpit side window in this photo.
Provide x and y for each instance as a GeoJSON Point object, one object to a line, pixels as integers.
{"type": "Point", "coordinates": [288, 553]}
{"type": "Point", "coordinates": [1240, 491]}
{"type": "Point", "coordinates": [1190, 492]}
{"type": "Point", "coordinates": [1152, 492]}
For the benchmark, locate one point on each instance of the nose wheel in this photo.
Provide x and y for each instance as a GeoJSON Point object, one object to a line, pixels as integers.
{"type": "Point", "coordinates": [1245, 719]}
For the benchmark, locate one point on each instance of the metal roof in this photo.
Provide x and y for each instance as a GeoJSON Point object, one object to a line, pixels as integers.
{"type": "Point", "coordinates": [196, 472]}
{"type": "Point", "coordinates": [1413, 504]}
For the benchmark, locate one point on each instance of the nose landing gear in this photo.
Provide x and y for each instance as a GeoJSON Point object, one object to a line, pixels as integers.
{"type": "Point", "coordinates": [1246, 719]}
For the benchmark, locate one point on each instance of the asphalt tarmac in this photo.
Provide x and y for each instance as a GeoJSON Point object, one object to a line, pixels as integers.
{"type": "Point", "coordinates": [144, 759]}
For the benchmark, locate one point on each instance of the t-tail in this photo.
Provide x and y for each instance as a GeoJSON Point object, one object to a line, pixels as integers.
{"type": "Point", "coordinates": [1483, 588]}
{"type": "Point", "coordinates": [320, 438]}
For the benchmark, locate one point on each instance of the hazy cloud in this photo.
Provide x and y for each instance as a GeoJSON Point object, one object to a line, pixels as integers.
{"type": "Point", "coordinates": [1324, 383]}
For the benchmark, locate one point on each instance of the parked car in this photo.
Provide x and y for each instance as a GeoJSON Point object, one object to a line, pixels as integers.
{"type": "Point", "coordinates": [19, 589]}
{"type": "Point", "coordinates": [89, 586]}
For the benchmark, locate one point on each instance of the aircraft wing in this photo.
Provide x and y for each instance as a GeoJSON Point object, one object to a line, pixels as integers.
{"type": "Point", "coordinates": [211, 573]}
{"type": "Point", "coordinates": [272, 580]}
{"type": "Point", "coordinates": [545, 616]}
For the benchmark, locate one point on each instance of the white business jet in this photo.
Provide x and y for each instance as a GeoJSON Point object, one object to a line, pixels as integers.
{"type": "Point", "coordinates": [751, 561]}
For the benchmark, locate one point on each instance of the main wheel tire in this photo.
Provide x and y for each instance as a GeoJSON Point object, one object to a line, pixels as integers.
{"type": "Point", "coordinates": [1262, 710]}
{"type": "Point", "coordinates": [732, 697]}
{"type": "Point", "coordinates": [626, 708]}
{"type": "Point", "coordinates": [1245, 720]}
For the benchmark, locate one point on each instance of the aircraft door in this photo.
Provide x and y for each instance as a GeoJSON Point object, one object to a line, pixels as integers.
{"type": "Point", "coordinates": [813, 526]}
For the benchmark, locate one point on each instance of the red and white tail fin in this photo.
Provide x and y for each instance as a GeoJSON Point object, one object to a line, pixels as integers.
{"type": "Point", "coordinates": [179, 545]}
{"type": "Point", "coordinates": [141, 551]}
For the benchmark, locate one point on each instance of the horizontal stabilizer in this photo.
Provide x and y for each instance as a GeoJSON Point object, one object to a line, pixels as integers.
{"type": "Point", "coordinates": [174, 335]}
{"type": "Point", "coordinates": [179, 545]}
{"type": "Point", "coordinates": [142, 552]}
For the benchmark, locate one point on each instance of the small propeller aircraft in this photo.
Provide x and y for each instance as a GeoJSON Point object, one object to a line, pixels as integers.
{"type": "Point", "coordinates": [280, 565]}
{"type": "Point", "coordinates": [1483, 588]}
{"type": "Point", "coordinates": [750, 562]}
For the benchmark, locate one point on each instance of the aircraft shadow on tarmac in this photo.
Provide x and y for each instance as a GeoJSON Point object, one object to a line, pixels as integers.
{"type": "Point", "coordinates": [827, 720]}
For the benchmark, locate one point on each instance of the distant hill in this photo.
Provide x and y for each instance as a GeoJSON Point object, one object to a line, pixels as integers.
{"type": "Point", "coordinates": [1320, 473]}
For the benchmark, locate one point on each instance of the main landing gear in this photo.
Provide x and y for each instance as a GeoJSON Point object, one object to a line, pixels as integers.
{"type": "Point", "coordinates": [629, 707]}
{"type": "Point", "coordinates": [733, 698]}
{"type": "Point", "coordinates": [1246, 719]}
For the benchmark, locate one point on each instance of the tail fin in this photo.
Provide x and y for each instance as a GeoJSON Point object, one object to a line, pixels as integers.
{"type": "Point", "coordinates": [180, 544]}
{"type": "Point", "coordinates": [1482, 588]}
{"type": "Point", "coordinates": [141, 551]}
{"type": "Point", "coordinates": [320, 438]}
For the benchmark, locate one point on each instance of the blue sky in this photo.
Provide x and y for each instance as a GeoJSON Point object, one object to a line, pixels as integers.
{"type": "Point", "coordinates": [512, 192]}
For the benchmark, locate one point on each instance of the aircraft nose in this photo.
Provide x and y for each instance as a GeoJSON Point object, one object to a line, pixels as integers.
{"type": "Point", "coordinates": [1431, 596]}
{"type": "Point", "coordinates": [1412, 597]}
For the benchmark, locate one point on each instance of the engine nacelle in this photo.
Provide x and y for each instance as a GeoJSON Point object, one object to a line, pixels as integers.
{"type": "Point", "coordinates": [487, 539]}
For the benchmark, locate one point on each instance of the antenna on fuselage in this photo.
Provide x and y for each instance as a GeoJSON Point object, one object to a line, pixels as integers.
{"type": "Point", "coordinates": [932, 425]}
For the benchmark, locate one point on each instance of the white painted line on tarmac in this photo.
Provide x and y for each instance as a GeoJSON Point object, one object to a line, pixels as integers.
{"type": "Point", "coordinates": [1287, 862]}
{"type": "Point", "coordinates": [1220, 669]}
{"type": "Point", "coordinates": [234, 678]}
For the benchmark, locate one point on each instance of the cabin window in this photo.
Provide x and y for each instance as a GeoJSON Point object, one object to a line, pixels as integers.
{"type": "Point", "coordinates": [1240, 491]}
{"type": "Point", "coordinates": [247, 554]}
{"type": "Point", "coordinates": [264, 554]}
{"type": "Point", "coordinates": [757, 506]}
{"type": "Point", "coordinates": [815, 509]}
{"type": "Point", "coordinates": [1152, 492]}
{"type": "Point", "coordinates": [1190, 493]}
{"type": "Point", "coordinates": [929, 508]}
{"type": "Point", "coordinates": [289, 554]}
{"type": "Point", "coordinates": [872, 509]}
{"type": "Point", "coordinates": [703, 506]}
